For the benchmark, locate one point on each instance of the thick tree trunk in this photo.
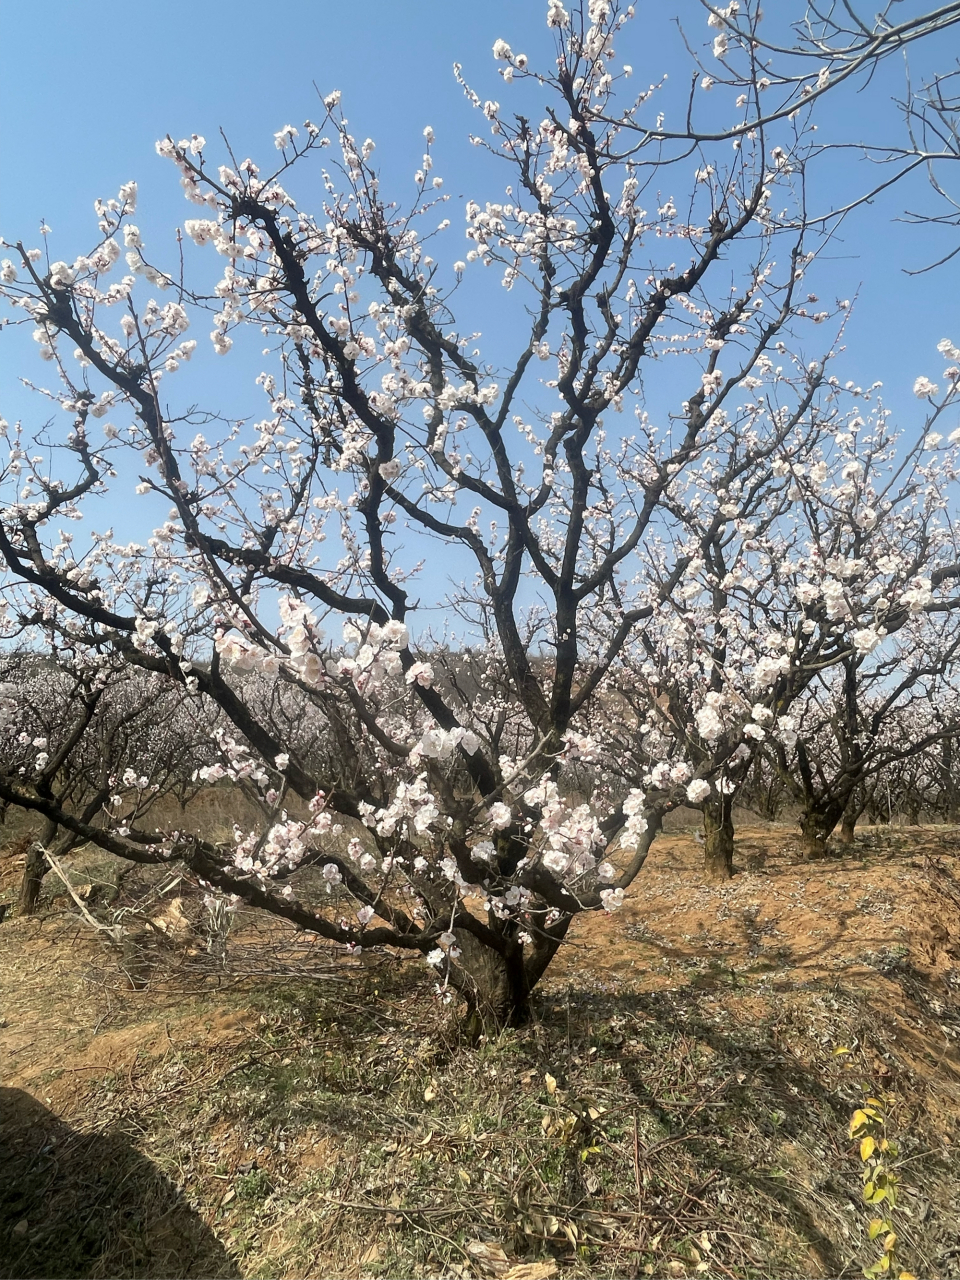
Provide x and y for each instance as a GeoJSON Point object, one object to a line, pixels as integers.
{"type": "Point", "coordinates": [848, 827]}
{"type": "Point", "coordinates": [816, 826]}
{"type": "Point", "coordinates": [951, 793]}
{"type": "Point", "coordinates": [497, 987]}
{"type": "Point", "coordinates": [718, 839]}
{"type": "Point", "coordinates": [35, 868]}
{"type": "Point", "coordinates": [855, 807]}
{"type": "Point", "coordinates": [494, 986]}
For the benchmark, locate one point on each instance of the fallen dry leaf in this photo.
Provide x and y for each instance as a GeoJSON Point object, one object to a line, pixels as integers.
{"type": "Point", "coordinates": [531, 1271]}
{"type": "Point", "coordinates": [489, 1256]}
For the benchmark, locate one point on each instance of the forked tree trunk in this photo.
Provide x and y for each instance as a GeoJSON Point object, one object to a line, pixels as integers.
{"type": "Point", "coordinates": [718, 839]}
{"type": "Point", "coordinates": [497, 987]}
{"type": "Point", "coordinates": [35, 868]}
{"type": "Point", "coordinates": [813, 836]}
{"type": "Point", "coordinates": [817, 824]}
{"type": "Point", "coordinates": [494, 987]}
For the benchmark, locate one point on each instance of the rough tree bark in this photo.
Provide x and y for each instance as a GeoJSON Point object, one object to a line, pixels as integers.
{"type": "Point", "coordinates": [718, 839]}
{"type": "Point", "coordinates": [851, 814]}
{"type": "Point", "coordinates": [817, 824]}
{"type": "Point", "coordinates": [35, 868]}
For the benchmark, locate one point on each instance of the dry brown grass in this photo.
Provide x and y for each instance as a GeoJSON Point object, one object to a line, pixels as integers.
{"type": "Point", "coordinates": [295, 1116]}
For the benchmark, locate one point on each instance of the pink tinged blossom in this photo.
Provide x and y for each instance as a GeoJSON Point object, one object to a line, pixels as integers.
{"type": "Point", "coordinates": [612, 899]}
{"type": "Point", "coordinates": [633, 805]}
{"type": "Point", "coordinates": [919, 595]}
{"type": "Point", "coordinates": [365, 915]}
{"type": "Point", "coordinates": [866, 639]}
{"type": "Point", "coordinates": [61, 275]}
{"type": "Point", "coordinates": [709, 724]}
{"type": "Point", "coordinates": [396, 633]}
{"type": "Point", "coordinates": [500, 815]}
{"type": "Point", "coordinates": [769, 669]}
{"type": "Point", "coordinates": [698, 790]}
{"type": "Point", "coordinates": [924, 389]}
{"type": "Point", "coordinates": [636, 822]}
{"type": "Point", "coordinates": [420, 673]}
{"type": "Point", "coordinates": [556, 861]}
{"type": "Point", "coordinates": [201, 230]}
{"type": "Point", "coordinates": [284, 136]}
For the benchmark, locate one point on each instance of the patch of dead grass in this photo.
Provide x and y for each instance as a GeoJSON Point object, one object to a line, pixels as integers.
{"type": "Point", "coordinates": [337, 1125]}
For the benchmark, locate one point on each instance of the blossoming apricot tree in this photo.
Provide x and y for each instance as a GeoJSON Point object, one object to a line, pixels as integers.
{"type": "Point", "coordinates": [588, 478]}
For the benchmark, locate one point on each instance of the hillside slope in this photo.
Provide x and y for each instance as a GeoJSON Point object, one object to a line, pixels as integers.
{"type": "Point", "coordinates": [679, 1106]}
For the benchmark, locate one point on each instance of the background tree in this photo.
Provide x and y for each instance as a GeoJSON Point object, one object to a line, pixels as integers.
{"type": "Point", "coordinates": [102, 743]}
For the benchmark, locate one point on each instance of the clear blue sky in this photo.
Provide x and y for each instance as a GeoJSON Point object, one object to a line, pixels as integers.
{"type": "Point", "coordinates": [87, 88]}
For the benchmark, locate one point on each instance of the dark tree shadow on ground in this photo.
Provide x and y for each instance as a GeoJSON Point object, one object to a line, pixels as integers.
{"type": "Point", "coordinates": [88, 1205]}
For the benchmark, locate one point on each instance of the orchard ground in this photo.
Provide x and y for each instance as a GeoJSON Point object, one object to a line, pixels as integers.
{"type": "Point", "coordinates": [679, 1106]}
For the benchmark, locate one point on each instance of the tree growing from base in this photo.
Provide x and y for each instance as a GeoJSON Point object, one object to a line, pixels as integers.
{"type": "Point", "coordinates": [573, 467]}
